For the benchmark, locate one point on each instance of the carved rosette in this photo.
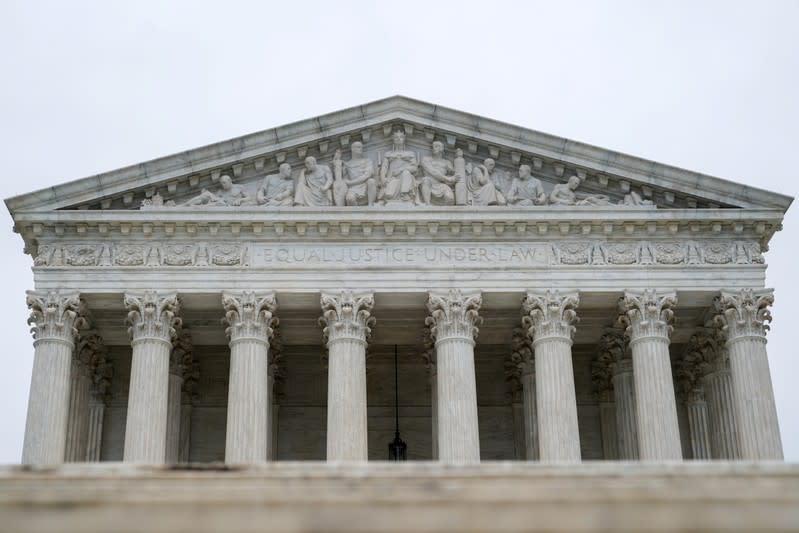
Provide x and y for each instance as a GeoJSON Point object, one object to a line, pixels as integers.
{"type": "Point", "coordinates": [454, 315]}
{"type": "Point", "coordinates": [152, 316]}
{"type": "Point", "coordinates": [744, 313]}
{"type": "Point", "coordinates": [347, 315]}
{"type": "Point", "coordinates": [550, 315]}
{"type": "Point", "coordinates": [55, 316]}
{"type": "Point", "coordinates": [249, 316]}
{"type": "Point", "coordinates": [647, 313]}
{"type": "Point", "coordinates": [610, 357]}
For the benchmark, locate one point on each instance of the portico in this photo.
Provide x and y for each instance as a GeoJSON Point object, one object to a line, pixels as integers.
{"type": "Point", "coordinates": [545, 307]}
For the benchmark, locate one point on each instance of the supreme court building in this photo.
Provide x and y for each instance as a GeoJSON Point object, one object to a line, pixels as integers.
{"type": "Point", "coordinates": [549, 301]}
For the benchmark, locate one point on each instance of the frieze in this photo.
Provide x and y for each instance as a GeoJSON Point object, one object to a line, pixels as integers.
{"type": "Point", "coordinates": [594, 253]}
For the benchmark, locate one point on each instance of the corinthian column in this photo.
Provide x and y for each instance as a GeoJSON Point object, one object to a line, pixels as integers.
{"type": "Point", "coordinates": [348, 321]}
{"type": "Point", "coordinates": [744, 317]}
{"type": "Point", "coordinates": [79, 397]}
{"type": "Point", "coordinates": [688, 373]}
{"type": "Point", "coordinates": [549, 319]}
{"type": "Point", "coordinates": [429, 357]}
{"type": "Point", "coordinates": [610, 345]}
{"type": "Point", "coordinates": [522, 357]}
{"type": "Point", "coordinates": [56, 321]}
{"type": "Point", "coordinates": [172, 454]}
{"type": "Point", "coordinates": [250, 329]}
{"type": "Point", "coordinates": [152, 322]}
{"type": "Point", "coordinates": [453, 325]}
{"type": "Point", "coordinates": [648, 315]}
{"type": "Point", "coordinates": [102, 373]}
{"type": "Point", "coordinates": [721, 404]}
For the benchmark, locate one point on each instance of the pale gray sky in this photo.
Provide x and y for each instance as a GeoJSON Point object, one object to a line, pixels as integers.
{"type": "Point", "coordinates": [92, 86]}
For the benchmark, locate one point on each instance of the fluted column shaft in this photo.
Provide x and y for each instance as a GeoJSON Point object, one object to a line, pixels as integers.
{"type": "Point", "coordinates": [173, 418]}
{"type": "Point", "coordinates": [184, 450]}
{"type": "Point", "coordinates": [624, 398]}
{"type": "Point", "coordinates": [348, 322]}
{"type": "Point", "coordinates": [56, 319]}
{"type": "Point", "coordinates": [453, 325]}
{"type": "Point", "coordinates": [649, 314]}
{"type": "Point", "coordinates": [250, 328]}
{"type": "Point", "coordinates": [698, 424]}
{"type": "Point", "coordinates": [744, 316]}
{"type": "Point", "coordinates": [721, 417]}
{"type": "Point", "coordinates": [530, 418]}
{"type": "Point", "coordinates": [152, 323]}
{"type": "Point", "coordinates": [549, 318]}
{"type": "Point", "coordinates": [95, 433]}
{"type": "Point", "coordinates": [607, 422]}
{"type": "Point", "coordinates": [78, 418]}
{"type": "Point", "coordinates": [434, 409]}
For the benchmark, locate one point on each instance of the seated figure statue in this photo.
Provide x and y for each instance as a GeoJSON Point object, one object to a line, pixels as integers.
{"type": "Point", "coordinates": [314, 185]}
{"type": "Point", "coordinates": [354, 182]}
{"type": "Point", "coordinates": [481, 186]}
{"type": "Point", "coordinates": [398, 174]}
{"type": "Point", "coordinates": [277, 189]}
{"type": "Point", "coordinates": [634, 199]}
{"type": "Point", "coordinates": [439, 178]}
{"type": "Point", "coordinates": [563, 194]}
{"type": "Point", "coordinates": [227, 194]}
{"type": "Point", "coordinates": [526, 190]}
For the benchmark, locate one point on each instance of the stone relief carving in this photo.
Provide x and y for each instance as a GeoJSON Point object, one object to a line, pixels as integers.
{"type": "Point", "coordinates": [277, 190]}
{"type": "Point", "coordinates": [355, 182]}
{"type": "Point", "coordinates": [228, 194]}
{"type": "Point", "coordinates": [567, 252]}
{"type": "Point", "coordinates": [398, 176]}
{"type": "Point", "coordinates": [314, 187]}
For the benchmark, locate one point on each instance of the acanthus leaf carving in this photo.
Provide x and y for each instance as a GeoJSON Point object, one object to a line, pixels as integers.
{"type": "Point", "coordinates": [249, 315]}
{"type": "Point", "coordinates": [611, 352]}
{"type": "Point", "coordinates": [454, 314]}
{"type": "Point", "coordinates": [744, 313]}
{"type": "Point", "coordinates": [347, 315]}
{"type": "Point", "coordinates": [550, 314]}
{"type": "Point", "coordinates": [152, 315]}
{"type": "Point", "coordinates": [647, 313]}
{"type": "Point", "coordinates": [55, 315]}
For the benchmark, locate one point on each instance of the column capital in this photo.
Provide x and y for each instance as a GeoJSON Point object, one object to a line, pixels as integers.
{"type": "Point", "coordinates": [521, 352]}
{"type": "Point", "coordinates": [181, 356]}
{"type": "Point", "coordinates": [697, 359]}
{"type": "Point", "coordinates": [55, 316]}
{"type": "Point", "coordinates": [454, 314]}
{"type": "Point", "coordinates": [152, 315]}
{"type": "Point", "coordinates": [429, 351]}
{"type": "Point", "coordinates": [248, 316]}
{"type": "Point", "coordinates": [611, 354]}
{"type": "Point", "coordinates": [550, 314]}
{"type": "Point", "coordinates": [744, 313]}
{"type": "Point", "coordinates": [347, 315]}
{"type": "Point", "coordinates": [647, 313]}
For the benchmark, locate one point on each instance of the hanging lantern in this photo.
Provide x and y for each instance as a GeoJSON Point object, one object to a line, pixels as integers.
{"type": "Point", "coordinates": [397, 449]}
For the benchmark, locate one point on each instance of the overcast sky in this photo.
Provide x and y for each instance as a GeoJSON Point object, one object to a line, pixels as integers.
{"type": "Point", "coordinates": [92, 86]}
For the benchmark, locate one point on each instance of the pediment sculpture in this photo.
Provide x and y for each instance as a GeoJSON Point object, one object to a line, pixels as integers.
{"type": "Point", "coordinates": [399, 177]}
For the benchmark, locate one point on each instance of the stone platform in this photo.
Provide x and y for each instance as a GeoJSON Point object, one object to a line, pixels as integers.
{"type": "Point", "coordinates": [418, 496]}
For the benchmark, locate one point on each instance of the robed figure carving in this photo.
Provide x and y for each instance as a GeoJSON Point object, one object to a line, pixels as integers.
{"type": "Point", "coordinates": [314, 185]}
{"type": "Point", "coordinates": [398, 173]}
{"type": "Point", "coordinates": [439, 178]}
{"type": "Point", "coordinates": [354, 182]}
{"type": "Point", "coordinates": [481, 186]}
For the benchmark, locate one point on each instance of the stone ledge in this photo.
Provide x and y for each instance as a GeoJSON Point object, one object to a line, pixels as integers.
{"type": "Point", "coordinates": [420, 496]}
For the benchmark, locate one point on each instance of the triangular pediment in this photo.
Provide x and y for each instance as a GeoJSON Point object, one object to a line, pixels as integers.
{"type": "Point", "coordinates": [614, 177]}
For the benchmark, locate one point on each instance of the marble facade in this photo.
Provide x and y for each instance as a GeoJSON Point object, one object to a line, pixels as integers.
{"type": "Point", "coordinates": [551, 301]}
